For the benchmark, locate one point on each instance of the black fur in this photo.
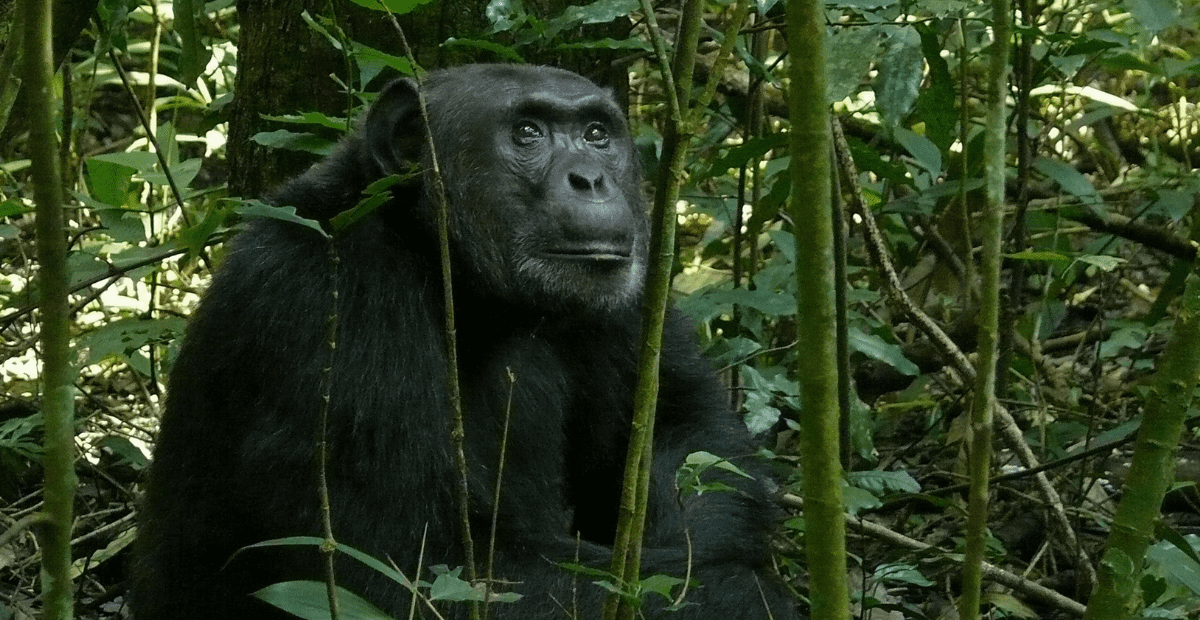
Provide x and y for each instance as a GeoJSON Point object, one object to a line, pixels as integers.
{"type": "Point", "coordinates": [549, 235]}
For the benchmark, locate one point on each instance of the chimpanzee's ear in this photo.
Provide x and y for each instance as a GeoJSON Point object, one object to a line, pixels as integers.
{"type": "Point", "coordinates": [394, 129]}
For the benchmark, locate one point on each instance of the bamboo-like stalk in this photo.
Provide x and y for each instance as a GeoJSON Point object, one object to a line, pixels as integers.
{"type": "Point", "coordinates": [58, 373]}
{"type": "Point", "coordinates": [979, 437]}
{"type": "Point", "coordinates": [1153, 468]}
{"type": "Point", "coordinates": [816, 321]}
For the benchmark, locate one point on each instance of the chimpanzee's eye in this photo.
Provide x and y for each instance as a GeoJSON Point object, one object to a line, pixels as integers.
{"type": "Point", "coordinates": [526, 133]}
{"type": "Point", "coordinates": [596, 134]}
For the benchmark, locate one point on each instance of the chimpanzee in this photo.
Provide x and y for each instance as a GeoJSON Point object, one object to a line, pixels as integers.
{"type": "Point", "coordinates": [549, 241]}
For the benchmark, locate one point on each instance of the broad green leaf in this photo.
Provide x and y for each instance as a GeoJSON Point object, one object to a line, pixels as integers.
{"type": "Point", "coordinates": [15, 165]}
{"type": "Point", "coordinates": [195, 55]}
{"type": "Point", "coordinates": [294, 141]}
{"type": "Point", "coordinates": [125, 449]}
{"type": "Point", "coordinates": [1068, 178]}
{"type": "Point", "coordinates": [1105, 263]}
{"type": "Point", "coordinates": [371, 61]}
{"type": "Point", "coordinates": [760, 416]}
{"type": "Point", "coordinates": [937, 103]}
{"type": "Point", "coordinates": [1188, 545]}
{"type": "Point", "coordinates": [884, 482]}
{"type": "Point", "coordinates": [148, 167]}
{"type": "Point", "coordinates": [365, 207]}
{"type": "Point", "coordinates": [313, 541]}
{"type": "Point", "coordinates": [865, 4]}
{"type": "Point", "coordinates": [599, 12]}
{"type": "Point", "coordinates": [851, 51]}
{"type": "Point", "coordinates": [122, 337]}
{"type": "Point", "coordinates": [142, 161]}
{"type": "Point", "coordinates": [22, 435]}
{"type": "Point", "coordinates": [310, 600]}
{"type": "Point", "coordinates": [253, 208]}
{"type": "Point", "coordinates": [93, 560]}
{"type": "Point", "coordinates": [923, 150]}
{"type": "Point", "coordinates": [856, 500]}
{"type": "Point", "coordinates": [704, 460]}
{"type": "Point", "coordinates": [902, 573]}
{"type": "Point", "coordinates": [1039, 256]}
{"type": "Point", "coordinates": [195, 237]}
{"type": "Point", "coordinates": [874, 347]}
{"type": "Point", "coordinates": [1154, 15]}
{"type": "Point", "coordinates": [108, 181]}
{"type": "Point", "coordinates": [398, 7]}
{"type": "Point", "coordinates": [502, 51]}
{"type": "Point", "coordinates": [901, 70]}
{"type": "Point", "coordinates": [310, 118]}
{"type": "Point", "coordinates": [632, 43]}
{"type": "Point", "coordinates": [182, 173]}
{"type": "Point", "coordinates": [661, 585]}
{"type": "Point", "coordinates": [119, 224]}
{"type": "Point", "coordinates": [13, 207]}
{"type": "Point", "coordinates": [741, 154]}
{"type": "Point", "coordinates": [447, 586]}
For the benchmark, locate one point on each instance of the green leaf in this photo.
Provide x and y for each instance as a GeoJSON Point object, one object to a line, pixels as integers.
{"type": "Point", "coordinates": [937, 103]}
{"type": "Point", "coordinates": [600, 12]}
{"type": "Point", "coordinates": [695, 465]}
{"type": "Point", "coordinates": [257, 208]}
{"type": "Point", "coordinates": [124, 448]}
{"type": "Point", "coordinates": [1038, 256]}
{"type": "Point", "coordinates": [1154, 15]}
{"type": "Point", "coordinates": [196, 237]}
{"type": "Point", "coordinates": [377, 194]}
{"type": "Point", "coordinates": [741, 154]}
{"type": "Point", "coordinates": [923, 150]}
{"type": "Point", "coordinates": [505, 15]}
{"type": "Point", "coordinates": [142, 161]}
{"type": "Point", "coordinates": [706, 460]}
{"type": "Point", "coordinates": [371, 61]}
{"type": "Point", "coordinates": [19, 435]}
{"type": "Point", "coordinates": [363, 558]}
{"type": "Point", "coordinates": [294, 141]}
{"type": "Point", "coordinates": [310, 600]}
{"type": "Point", "coordinates": [447, 586]}
{"type": "Point", "coordinates": [876, 348]}
{"type": "Point", "coordinates": [13, 207]}
{"type": "Point", "coordinates": [195, 55]}
{"type": "Point", "coordinates": [760, 416]}
{"type": "Point", "coordinates": [398, 7]}
{"type": "Point", "coordinates": [108, 181]}
{"type": "Point", "coordinates": [119, 224]}
{"type": "Point", "coordinates": [310, 118]}
{"type": "Point", "coordinates": [121, 338]}
{"type": "Point", "coordinates": [1068, 178]}
{"type": "Point", "coordinates": [1105, 263]}
{"type": "Point", "coordinates": [857, 500]}
{"type": "Point", "coordinates": [901, 70]}
{"type": "Point", "coordinates": [632, 43]}
{"type": "Point", "coordinates": [661, 585]}
{"type": "Point", "coordinates": [883, 483]}
{"type": "Point", "coordinates": [1181, 542]}
{"type": "Point", "coordinates": [365, 207]}
{"type": "Point", "coordinates": [502, 51]}
{"type": "Point", "coordinates": [851, 51]}
{"type": "Point", "coordinates": [148, 167]}
{"type": "Point", "coordinates": [901, 573]}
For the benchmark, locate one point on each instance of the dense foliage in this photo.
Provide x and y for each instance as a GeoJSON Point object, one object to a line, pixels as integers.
{"type": "Point", "coordinates": [1099, 236]}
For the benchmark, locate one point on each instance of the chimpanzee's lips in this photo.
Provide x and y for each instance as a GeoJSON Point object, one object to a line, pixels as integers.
{"type": "Point", "coordinates": [591, 251]}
